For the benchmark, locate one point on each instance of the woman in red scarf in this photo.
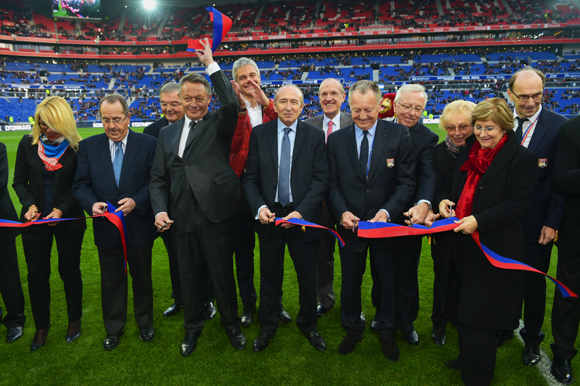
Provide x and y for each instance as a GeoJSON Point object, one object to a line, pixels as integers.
{"type": "Point", "coordinates": [46, 162]}
{"type": "Point", "coordinates": [493, 187]}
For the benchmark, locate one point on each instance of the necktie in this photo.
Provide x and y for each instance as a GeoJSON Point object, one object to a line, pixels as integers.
{"type": "Point", "coordinates": [284, 173]}
{"type": "Point", "coordinates": [330, 124]}
{"type": "Point", "coordinates": [191, 127]}
{"type": "Point", "coordinates": [118, 161]}
{"type": "Point", "coordinates": [520, 129]}
{"type": "Point", "coordinates": [364, 154]}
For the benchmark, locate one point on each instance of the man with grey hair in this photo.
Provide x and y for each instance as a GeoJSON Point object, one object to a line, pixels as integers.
{"type": "Point", "coordinates": [287, 176]}
{"type": "Point", "coordinates": [372, 174]}
{"type": "Point", "coordinates": [410, 102]}
{"type": "Point", "coordinates": [196, 194]}
{"type": "Point", "coordinates": [255, 109]}
{"type": "Point", "coordinates": [115, 167]}
{"type": "Point", "coordinates": [172, 112]}
{"type": "Point", "coordinates": [331, 96]}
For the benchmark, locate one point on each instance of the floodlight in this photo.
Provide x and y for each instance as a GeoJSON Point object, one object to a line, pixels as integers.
{"type": "Point", "coordinates": [149, 4]}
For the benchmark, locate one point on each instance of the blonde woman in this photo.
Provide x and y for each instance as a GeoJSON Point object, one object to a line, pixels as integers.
{"type": "Point", "coordinates": [46, 162]}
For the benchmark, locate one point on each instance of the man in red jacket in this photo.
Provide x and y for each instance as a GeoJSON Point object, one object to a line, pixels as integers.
{"type": "Point", "coordinates": [255, 109]}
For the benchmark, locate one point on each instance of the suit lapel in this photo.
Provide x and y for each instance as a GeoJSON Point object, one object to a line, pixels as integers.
{"type": "Point", "coordinates": [539, 131]}
{"type": "Point", "coordinates": [273, 136]}
{"type": "Point", "coordinates": [177, 136]}
{"type": "Point", "coordinates": [351, 149]}
{"type": "Point", "coordinates": [300, 134]}
{"type": "Point", "coordinates": [131, 151]}
{"type": "Point", "coordinates": [378, 144]}
{"type": "Point", "coordinates": [105, 154]}
{"type": "Point", "coordinates": [501, 159]}
{"type": "Point", "coordinates": [345, 120]}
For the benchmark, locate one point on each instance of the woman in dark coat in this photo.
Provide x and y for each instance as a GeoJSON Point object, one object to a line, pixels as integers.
{"type": "Point", "coordinates": [456, 121]}
{"type": "Point", "coordinates": [46, 163]}
{"type": "Point", "coordinates": [493, 186]}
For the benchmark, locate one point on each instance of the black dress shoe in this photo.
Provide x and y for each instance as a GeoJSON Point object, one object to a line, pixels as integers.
{"type": "Point", "coordinates": [112, 341]}
{"type": "Point", "coordinates": [454, 364]}
{"type": "Point", "coordinates": [503, 336]}
{"type": "Point", "coordinates": [173, 309]}
{"type": "Point", "coordinates": [375, 323]}
{"type": "Point", "coordinates": [147, 334]}
{"type": "Point", "coordinates": [439, 339]}
{"type": "Point", "coordinates": [283, 315]}
{"type": "Point", "coordinates": [237, 339]}
{"type": "Point", "coordinates": [562, 370]}
{"type": "Point", "coordinates": [210, 310]}
{"type": "Point", "coordinates": [410, 334]}
{"type": "Point", "coordinates": [14, 333]}
{"type": "Point", "coordinates": [189, 343]}
{"type": "Point", "coordinates": [40, 338]}
{"type": "Point", "coordinates": [531, 355]}
{"type": "Point", "coordinates": [390, 349]}
{"type": "Point", "coordinates": [262, 341]}
{"type": "Point", "coordinates": [316, 340]}
{"type": "Point", "coordinates": [348, 344]}
{"type": "Point", "coordinates": [321, 311]}
{"type": "Point", "coordinates": [248, 317]}
{"type": "Point", "coordinates": [73, 332]}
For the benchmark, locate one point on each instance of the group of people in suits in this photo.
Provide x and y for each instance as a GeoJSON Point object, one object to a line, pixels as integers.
{"type": "Point", "coordinates": [206, 180]}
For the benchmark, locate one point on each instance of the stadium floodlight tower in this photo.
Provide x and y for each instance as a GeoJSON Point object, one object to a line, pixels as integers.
{"type": "Point", "coordinates": [149, 4]}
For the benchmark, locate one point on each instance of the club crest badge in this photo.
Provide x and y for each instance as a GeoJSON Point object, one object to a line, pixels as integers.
{"type": "Point", "coordinates": [390, 162]}
{"type": "Point", "coordinates": [542, 162]}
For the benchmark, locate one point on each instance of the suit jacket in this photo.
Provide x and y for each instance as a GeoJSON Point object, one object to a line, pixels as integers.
{"type": "Point", "coordinates": [565, 181]}
{"type": "Point", "coordinates": [390, 183]}
{"type": "Point", "coordinates": [203, 175]}
{"type": "Point", "coordinates": [154, 128]}
{"type": "Point", "coordinates": [309, 173]}
{"type": "Point", "coordinates": [7, 211]}
{"type": "Point", "coordinates": [28, 184]}
{"type": "Point", "coordinates": [492, 297]}
{"type": "Point", "coordinates": [95, 182]}
{"type": "Point", "coordinates": [318, 121]}
{"type": "Point", "coordinates": [424, 142]}
{"type": "Point", "coordinates": [547, 205]}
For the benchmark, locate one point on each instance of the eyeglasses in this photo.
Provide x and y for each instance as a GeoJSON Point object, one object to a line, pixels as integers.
{"type": "Point", "coordinates": [114, 121]}
{"type": "Point", "coordinates": [488, 130]}
{"type": "Point", "coordinates": [453, 129]}
{"type": "Point", "coordinates": [172, 104]}
{"type": "Point", "coordinates": [409, 108]}
{"type": "Point", "coordinates": [524, 98]}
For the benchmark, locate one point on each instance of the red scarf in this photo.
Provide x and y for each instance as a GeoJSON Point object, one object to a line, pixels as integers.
{"type": "Point", "coordinates": [477, 163]}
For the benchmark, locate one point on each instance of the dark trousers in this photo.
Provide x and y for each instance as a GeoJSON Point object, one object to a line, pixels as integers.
{"type": "Point", "coordinates": [477, 354]}
{"type": "Point", "coordinates": [445, 294]}
{"type": "Point", "coordinates": [325, 264]}
{"type": "Point", "coordinates": [167, 237]}
{"type": "Point", "coordinates": [244, 252]}
{"type": "Point", "coordinates": [566, 311]}
{"type": "Point", "coordinates": [303, 255]}
{"type": "Point", "coordinates": [209, 248]}
{"type": "Point", "coordinates": [535, 293]}
{"type": "Point", "coordinates": [387, 279]}
{"type": "Point", "coordinates": [10, 286]}
{"type": "Point", "coordinates": [114, 286]}
{"type": "Point", "coordinates": [407, 252]}
{"type": "Point", "coordinates": [37, 244]}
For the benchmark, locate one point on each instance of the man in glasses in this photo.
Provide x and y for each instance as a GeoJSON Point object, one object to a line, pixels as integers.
{"type": "Point", "coordinates": [537, 129]}
{"type": "Point", "coordinates": [410, 102]}
{"type": "Point", "coordinates": [172, 112]}
{"type": "Point", "coordinates": [115, 167]}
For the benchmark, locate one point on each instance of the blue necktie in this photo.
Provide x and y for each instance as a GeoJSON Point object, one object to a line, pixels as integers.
{"type": "Point", "coordinates": [364, 155]}
{"type": "Point", "coordinates": [284, 173]}
{"type": "Point", "coordinates": [118, 161]}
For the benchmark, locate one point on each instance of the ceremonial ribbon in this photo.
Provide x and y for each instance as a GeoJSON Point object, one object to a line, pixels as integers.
{"type": "Point", "coordinates": [117, 218]}
{"type": "Point", "coordinates": [221, 26]}
{"type": "Point", "coordinates": [383, 229]}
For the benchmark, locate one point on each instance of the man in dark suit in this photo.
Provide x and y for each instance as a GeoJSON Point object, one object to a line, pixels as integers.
{"type": "Point", "coordinates": [10, 286]}
{"type": "Point", "coordinates": [173, 112]}
{"type": "Point", "coordinates": [372, 175]}
{"type": "Point", "coordinates": [331, 95]}
{"type": "Point", "coordinates": [115, 167]}
{"type": "Point", "coordinates": [539, 131]}
{"type": "Point", "coordinates": [409, 103]}
{"type": "Point", "coordinates": [292, 153]}
{"type": "Point", "coordinates": [566, 311]}
{"type": "Point", "coordinates": [196, 193]}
